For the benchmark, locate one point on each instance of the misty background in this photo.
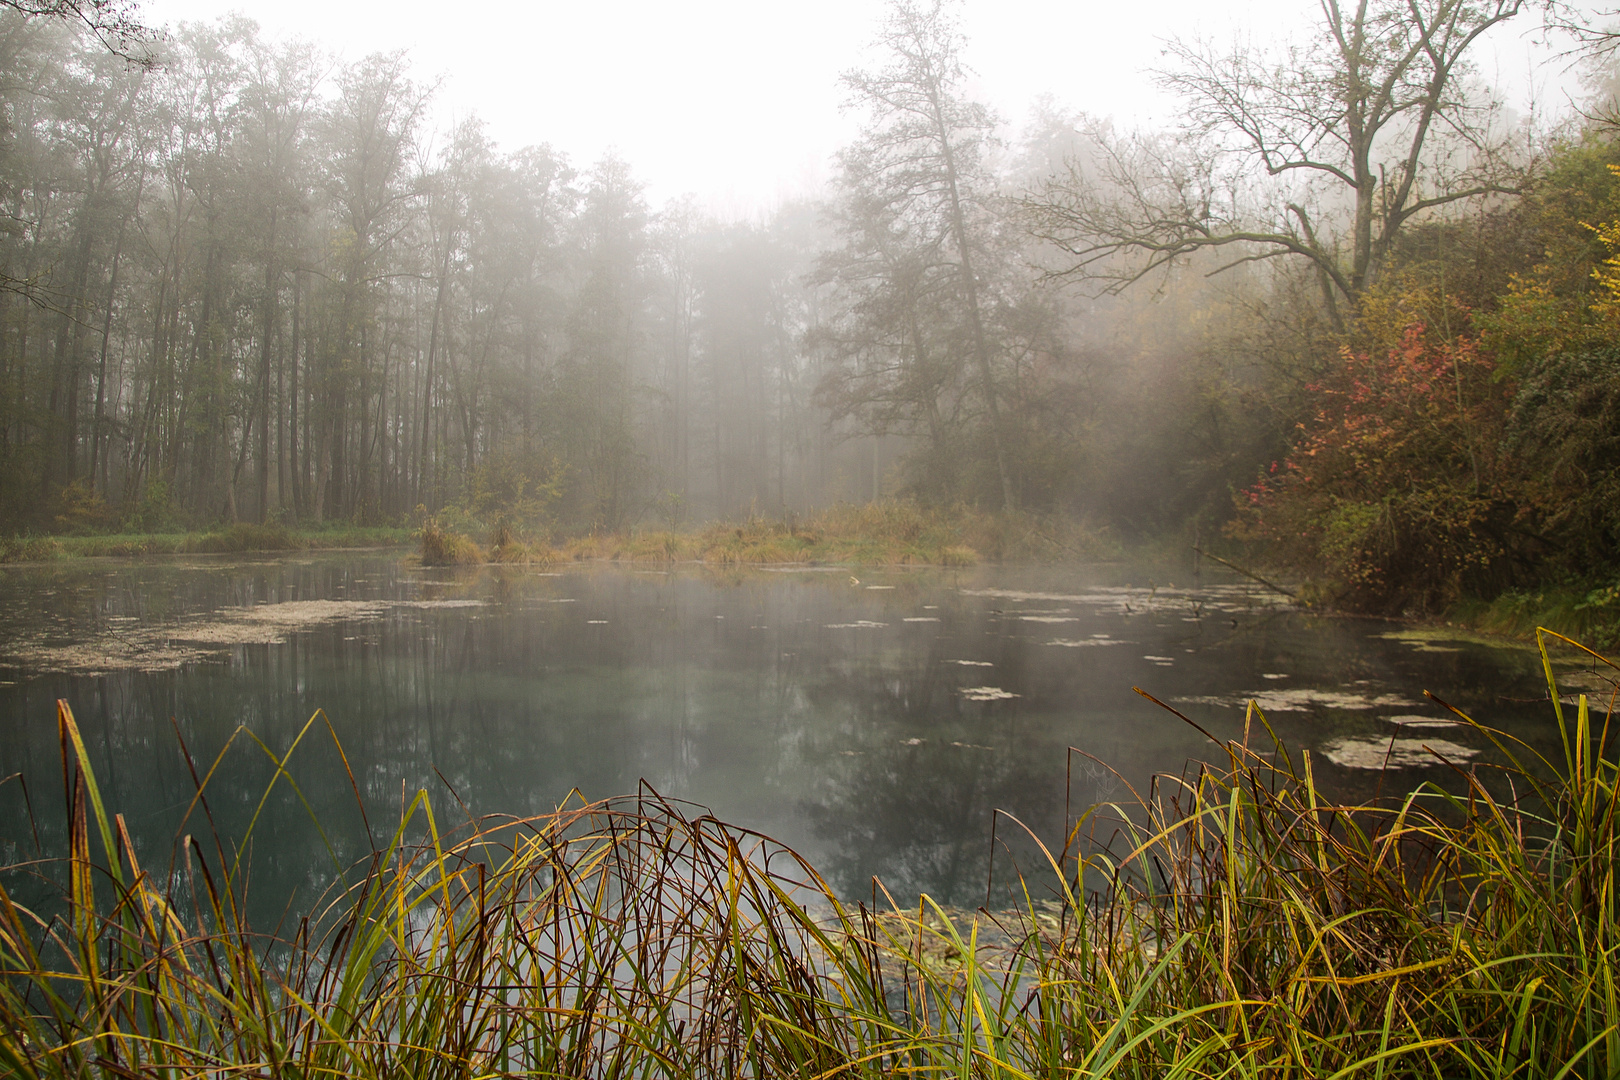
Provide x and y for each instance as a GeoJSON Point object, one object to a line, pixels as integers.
{"type": "Point", "coordinates": [566, 268]}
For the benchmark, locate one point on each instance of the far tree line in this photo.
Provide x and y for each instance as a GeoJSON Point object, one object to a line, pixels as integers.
{"type": "Point", "coordinates": [1350, 306]}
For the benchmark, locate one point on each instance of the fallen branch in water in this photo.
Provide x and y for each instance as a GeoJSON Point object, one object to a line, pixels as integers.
{"type": "Point", "coordinates": [1272, 585]}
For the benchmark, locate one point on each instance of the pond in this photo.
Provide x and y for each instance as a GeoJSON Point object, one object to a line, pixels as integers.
{"type": "Point", "coordinates": [871, 718]}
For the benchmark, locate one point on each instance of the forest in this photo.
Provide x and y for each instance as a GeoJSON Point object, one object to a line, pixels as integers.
{"type": "Point", "coordinates": [1352, 316]}
{"type": "Point", "coordinates": [1348, 323]}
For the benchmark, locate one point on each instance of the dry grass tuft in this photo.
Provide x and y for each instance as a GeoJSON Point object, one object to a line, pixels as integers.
{"type": "Point", "coordinates": [443, 548]}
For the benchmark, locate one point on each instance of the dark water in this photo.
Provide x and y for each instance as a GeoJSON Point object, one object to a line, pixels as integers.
{"type": "Point", "coordinates": [871, 719]}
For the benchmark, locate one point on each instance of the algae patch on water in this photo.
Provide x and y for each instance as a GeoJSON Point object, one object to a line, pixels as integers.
{"type": "Point", "coordinates": [1085, 643]}
{"type": "Point", "coordinates": [269, 624]}
{"type": "Point", "coordinates": [1301, 699]}
{"type": "Point", "coordinates": [125, 645]}
{"type": "Point", "coordinates": [1128, 600]}
{"type": "Point", "coordinates": [987, 693]}
{"type": "Point", "coordinates": [1372, 752]}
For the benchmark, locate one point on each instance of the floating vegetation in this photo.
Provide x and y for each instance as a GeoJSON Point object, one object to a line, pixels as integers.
{"type": "Point", "coordinates": [986, 693]}
{"type": "Point", "coordinates": [1372, 752]}
{"type": "Point", "coordinates": [269, 624]}
{"type": "Point", "coordinates": [432, 605]}
{"type": "Point", "coordinates": [1301, 699]}
{"type": "Point", "coordinates": [1226, 598]}
{"type": "Point", "coordinates": [127, 645]}
{"type": "Point", "coordinates": [103, 654]}
{"type": "Point", "coordinates": [1424, 721]}
{"type": "Point", "coordinates": [1597, 682]}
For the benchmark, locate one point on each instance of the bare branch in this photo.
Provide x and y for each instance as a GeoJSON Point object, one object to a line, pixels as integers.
{"type": "Point", "coordinates": [1322, 150]}
{"type": "Point", "coordinates": [115, 23]}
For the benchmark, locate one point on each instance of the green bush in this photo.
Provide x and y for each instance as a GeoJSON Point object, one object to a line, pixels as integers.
{"type": "Point", "coordinates": [154, 511]}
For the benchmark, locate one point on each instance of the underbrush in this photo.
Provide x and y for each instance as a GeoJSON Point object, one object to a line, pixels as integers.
{"type": "Point", "coordinates": [1588, 610]}
{"type": "Point", "coordinates": [1228, 922]}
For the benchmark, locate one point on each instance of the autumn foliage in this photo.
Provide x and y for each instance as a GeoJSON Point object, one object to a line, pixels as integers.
{"type": "Point", "coordinates": [1394, 486]}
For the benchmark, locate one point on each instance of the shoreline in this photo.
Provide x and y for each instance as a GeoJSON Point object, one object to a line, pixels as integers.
{"type": "Point", "coordinates": [924, 540]}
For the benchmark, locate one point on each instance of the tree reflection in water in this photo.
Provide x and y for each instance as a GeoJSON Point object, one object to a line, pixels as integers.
{"type": "Point", "coordinates": [830, 715]}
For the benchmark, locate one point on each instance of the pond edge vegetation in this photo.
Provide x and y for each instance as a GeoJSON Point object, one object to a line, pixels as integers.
{"type": "Point", "coordinates": [1230, 921]}
{"type": "Point", "coordinates": [888, 532]}
{"type": "Point", "coordinates": [893, 532]}
{"type": "Point", "coordinates": [235, 539]}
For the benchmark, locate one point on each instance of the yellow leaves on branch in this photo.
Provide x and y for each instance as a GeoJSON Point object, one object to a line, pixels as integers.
{"type": "Point", "coordinates": [1607, 274]}
{"type": "Point", "coordinates": [1567, 302]}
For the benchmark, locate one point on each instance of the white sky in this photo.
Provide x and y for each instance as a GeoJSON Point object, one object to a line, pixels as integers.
{"type": "Point", "coordinates": [737, 101]}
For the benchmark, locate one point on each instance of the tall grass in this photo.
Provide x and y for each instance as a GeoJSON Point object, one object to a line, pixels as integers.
{"type": "Point", "coordinates": [1228, 922]}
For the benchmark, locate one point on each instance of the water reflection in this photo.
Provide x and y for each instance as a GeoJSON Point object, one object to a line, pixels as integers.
{"type": "Point", "coordinates": [875, 724]}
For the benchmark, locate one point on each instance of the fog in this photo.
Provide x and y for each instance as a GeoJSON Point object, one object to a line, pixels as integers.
{"type": "Point", "coordinates": [739, 104]}
{"type": "Point", "coordinates": [570, 267]}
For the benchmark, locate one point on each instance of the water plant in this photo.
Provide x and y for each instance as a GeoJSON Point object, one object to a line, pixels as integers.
{"type": "Point", "coordinates": [1230, 921]}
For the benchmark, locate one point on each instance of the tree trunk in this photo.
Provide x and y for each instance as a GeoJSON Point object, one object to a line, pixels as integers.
{"type": "Point", "coordinates": [970, 288]}
{"type": "Point", "coordinates": [265, 334]}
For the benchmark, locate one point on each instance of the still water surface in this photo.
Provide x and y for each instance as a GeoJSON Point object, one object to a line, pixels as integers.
{"type": "Point", "coordinates": [873, 719]}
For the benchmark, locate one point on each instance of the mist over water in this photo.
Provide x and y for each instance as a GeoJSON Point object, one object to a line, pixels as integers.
{"type": "Point", "coordinates": [872, 719]}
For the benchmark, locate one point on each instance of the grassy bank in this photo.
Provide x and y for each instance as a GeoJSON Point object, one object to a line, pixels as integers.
{"type": "Point", "coordinates": [891, 533]}
{"type": "Point", "coordinates": [222, 540]}
{"type": "Point", "coordinates": [1231, 922]}
{"type": "Point", "coordinates": [1586, 610]}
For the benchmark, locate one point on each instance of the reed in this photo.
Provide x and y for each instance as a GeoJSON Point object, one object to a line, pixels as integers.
{"type": "Point", "coordinates": [1231, 921]}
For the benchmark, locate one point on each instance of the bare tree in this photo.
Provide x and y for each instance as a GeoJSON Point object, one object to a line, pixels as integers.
{"type": "Point", "coordinates": [115, 23]}
{"type": "Point", "coordinates": [1322, 151]}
